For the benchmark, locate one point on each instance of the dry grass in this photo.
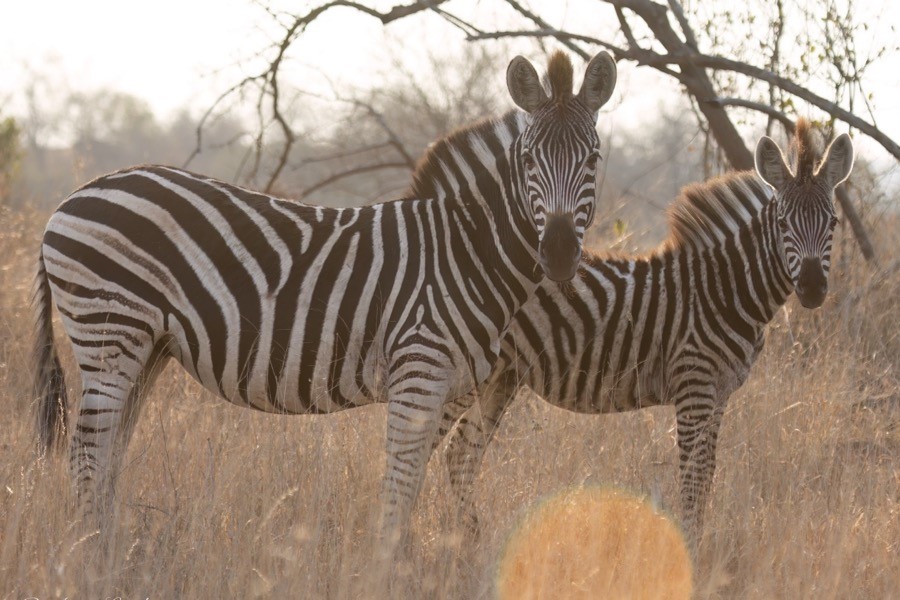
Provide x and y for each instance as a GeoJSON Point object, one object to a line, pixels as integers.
{"type": "Point", "coordinates": [221, 502]}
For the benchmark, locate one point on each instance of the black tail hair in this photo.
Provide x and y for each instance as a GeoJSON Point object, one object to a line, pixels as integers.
{"type": "Point", "coordinates": [49, 381]}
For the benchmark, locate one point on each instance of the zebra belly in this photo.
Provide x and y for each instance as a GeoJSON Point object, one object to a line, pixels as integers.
{"type": "Point", "coordinates": [588, 391]}
{"type": "Point", "coordinates": [314, 376]}
{"type": "Point", "coordinates": [632, 390]}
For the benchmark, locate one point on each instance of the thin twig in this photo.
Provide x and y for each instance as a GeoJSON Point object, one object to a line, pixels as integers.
{"type": "Point", "coordinates": [757, 106]}
{"type": "Point", "coordinates": [352, 171]}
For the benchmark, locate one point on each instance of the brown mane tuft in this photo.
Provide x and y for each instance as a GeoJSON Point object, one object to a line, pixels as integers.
{"type": "Point", "coordinates": [559, 74]}
{"type": "Point", "coordinates": [705, 214]}
{"type": "Point", "coordinates": [805, 149]}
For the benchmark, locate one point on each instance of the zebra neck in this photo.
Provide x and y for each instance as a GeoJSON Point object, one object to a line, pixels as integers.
{"type": "Point", "coordinates": [770, 235]}
{"type": "Point", "coordinates": [501, 183]}
{"type": "Point", "coordinates": [744, 277]}
{"type": "Point", "coordinates": [510, 249]}
{"type": "Point", "coordinates": [512, 214]}
{"type": "Point", "coordinates": [766, 268]}
{"type": "Point", "coordinates": [476, 166]}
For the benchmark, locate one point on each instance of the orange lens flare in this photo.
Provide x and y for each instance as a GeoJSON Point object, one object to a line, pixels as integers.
{"type": "Point", "coordinates": [595, 543]}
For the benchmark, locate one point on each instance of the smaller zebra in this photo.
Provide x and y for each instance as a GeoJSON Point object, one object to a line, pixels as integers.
{"type": "Point", "coordinates": [681, 326]}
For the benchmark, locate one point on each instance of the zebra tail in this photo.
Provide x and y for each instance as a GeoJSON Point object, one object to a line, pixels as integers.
{"type": "Point", "coordinates": [49, 381]}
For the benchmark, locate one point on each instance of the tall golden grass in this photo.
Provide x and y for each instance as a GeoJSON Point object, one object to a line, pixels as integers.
{"type": "Point", "coordinates": [217, 501]}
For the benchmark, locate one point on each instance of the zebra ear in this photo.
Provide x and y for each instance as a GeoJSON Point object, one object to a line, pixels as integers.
{"type": "Point", "coordinates": [525, 85]}
{"type": "Point", "coordinates": [599, 81]}
{"type": "Point", "coordinates": [838, 161]}
{"type": "Point", "coordinates": [770, 163]}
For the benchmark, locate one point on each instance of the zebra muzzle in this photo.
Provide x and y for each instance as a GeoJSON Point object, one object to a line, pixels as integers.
{"type": "Point", "coordinates": [812, 283]}
{"type": "Point", "coordinates": [560, 248]}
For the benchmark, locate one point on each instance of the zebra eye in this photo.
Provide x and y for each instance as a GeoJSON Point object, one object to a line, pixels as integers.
{"type": "Point", "coordinates": [782, 223]}
{"type": "Point", "coordinates": [528, 161]}
{"type": "Point", "coordinates": [834, 222]}
{"type": "Point", "coordinates": [590, 215]}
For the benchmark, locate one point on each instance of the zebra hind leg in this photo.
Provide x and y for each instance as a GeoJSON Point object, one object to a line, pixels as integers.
{"type": "Point", "coordinates": [453, 410]}
{"type": "Point", "coordinates": [113, 391]}
{"type": "Point", "coordinates": [469, 439]}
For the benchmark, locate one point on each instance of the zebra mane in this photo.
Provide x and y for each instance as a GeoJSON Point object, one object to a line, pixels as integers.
{"type": "Point", "coordinates": [444, 154]}
{"type": "Point", "coordinates": [805, 150]}
{"type": "Point", "coordinates": [706, 214]}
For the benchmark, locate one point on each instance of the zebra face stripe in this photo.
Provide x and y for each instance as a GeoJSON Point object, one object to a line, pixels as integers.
{"type": "Point", "coordinates": [559, 159]}
{"type": "Point", "coordinates": [806, 219]}
{"type": "Point", "coordinates": [558, 152]}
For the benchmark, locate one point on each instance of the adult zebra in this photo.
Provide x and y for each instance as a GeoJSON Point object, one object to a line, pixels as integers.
{"type": "Point", "coordinates": [295, 309]}
{"type": "Point", "coordinates": [682, 326]}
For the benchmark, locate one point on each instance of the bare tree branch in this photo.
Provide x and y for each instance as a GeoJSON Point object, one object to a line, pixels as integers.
{"type": "Point", "coordinates": [678, 11]}
{"type": "Point", "coordinates": [720, 62]}
{"type": "Point", "coordinates": [639, 55]}
{"type": "Point", "coordinates": [681, 53]}
{"type": "Point", "coordinates": [352, 171]}
{"type": "Point", "coordinates": [286, 130]}
{"type": "Point", "coordinates": [556, 33]}
{"type": "Point", "coordinates": [464, 26]}
{"type": "Point", "coordinates": [393, 139]}
{"type": "Point", "coordinates": [626, 29]}
{"type": "Point", "coordinates": [757, 106]}
{"type": "Point", "coordinates": [542, 24]}
{"type": "Point", "coordinates": [775, 58]}
{"type": "Point", "coordinates": [201, 124]}
{"type": "Point", "coordinates": [267, 79]}
{"type": "Point", "coordinates": [856, 224]}
{"type": "Point", "coordinates": [397, 12]}
{"type": "Point", "coordinates": [681, 59]}
{"type": "Point", "coordinates": [693, 77]}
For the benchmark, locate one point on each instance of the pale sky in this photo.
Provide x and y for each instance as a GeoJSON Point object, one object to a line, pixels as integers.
{"type": "Point", "coordinates": [184, 53]}
{"type": "Point", "coordinates": [164, 54]}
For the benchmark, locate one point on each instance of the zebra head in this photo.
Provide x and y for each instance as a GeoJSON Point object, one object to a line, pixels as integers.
{"type": "Point", "coordinates": [805, 206]}
{"type": "Point", "coordinates": [558, 152]}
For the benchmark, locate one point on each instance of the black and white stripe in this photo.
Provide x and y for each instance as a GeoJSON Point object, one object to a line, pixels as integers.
{"type": "Point", "coordinates": [295, 309]}
{"type": "Point", "coordinates": [682, 326]}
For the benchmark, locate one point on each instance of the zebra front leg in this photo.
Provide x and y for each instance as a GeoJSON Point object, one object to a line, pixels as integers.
{"type": "Point", "coordinates": [414, 414]}
{"type": "Point", "coordinates": [698, 419]}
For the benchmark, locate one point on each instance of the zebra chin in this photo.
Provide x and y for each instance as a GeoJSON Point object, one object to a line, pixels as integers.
{"type": "Point", "coordinates": [560, 248]}
{"type": "Point", "coordinates": [811, 299]}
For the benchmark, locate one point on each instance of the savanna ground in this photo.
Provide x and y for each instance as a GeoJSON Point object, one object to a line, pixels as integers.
{"type": "Point", "coordinates": [219, 502]}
